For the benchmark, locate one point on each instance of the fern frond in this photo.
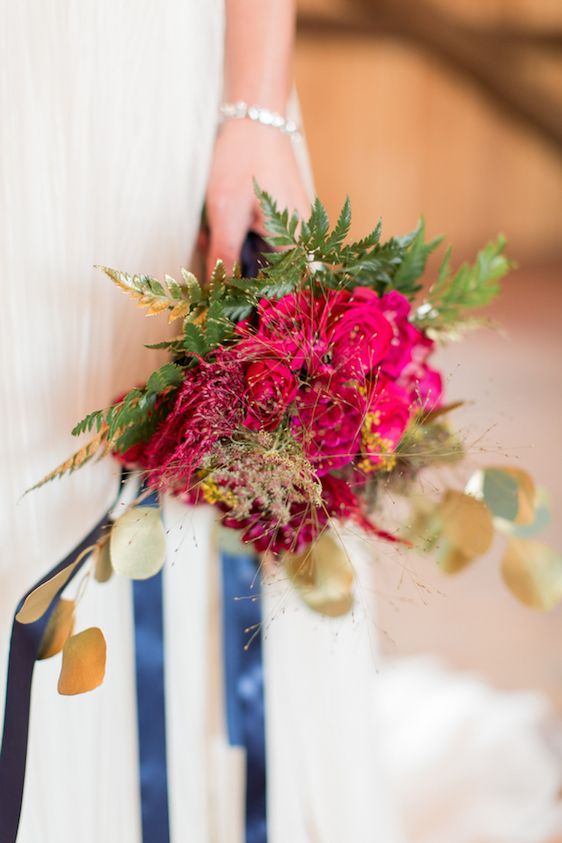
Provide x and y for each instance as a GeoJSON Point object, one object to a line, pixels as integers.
{"type": "Point", "coordinates": [77, 460]}
{"type": "Point", "coordinates": [281, 226]}
{"type": "Point", "coordinates": [157, 296]}
{"type": "Point", "coordinates": [341, 228]}
{"type": "Point", "coordinates": [87, 424]}
{"type": "Point", "coordinates": [473, 286]}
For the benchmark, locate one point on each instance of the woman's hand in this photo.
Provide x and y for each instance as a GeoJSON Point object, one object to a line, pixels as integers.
{"type": "Point", "coordinates": [244, 151]}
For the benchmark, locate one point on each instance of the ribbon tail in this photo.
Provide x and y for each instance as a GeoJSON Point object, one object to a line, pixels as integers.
{"type": "Point", "coordinates": [243, 671]}
{"type": "Point", "coordinates": [151, 713]}
{"type": "Point", "coordinates": [24, 649]}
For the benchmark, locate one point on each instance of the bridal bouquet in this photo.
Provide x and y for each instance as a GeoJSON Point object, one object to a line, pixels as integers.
{"type": "Point", "coordinates": [297, 399]}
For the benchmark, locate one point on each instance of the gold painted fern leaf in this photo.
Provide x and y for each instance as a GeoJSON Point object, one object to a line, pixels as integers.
{"type": "Point", "coordinates": [78, 459]}
{"type": "Point", "coordinates": [157, 296]}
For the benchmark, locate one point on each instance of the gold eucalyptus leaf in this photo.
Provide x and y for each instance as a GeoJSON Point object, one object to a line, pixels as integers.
{"type": "Point", "coordinates": [467, 523]}
{"type": "Point", "coordinates": [424, 527]}
{"type": "Point", "coordinates": [137, 543]}
{"type": "Point", "coordinates": [540, 521]}
{"type": "Point", "coordinates": [451, 560]}
{"type": "Point", "coordinates": [59, 627]}
{"type": "Point", "coordinates": [533, 573]}
{"type": "Point", "coordinates": [103, 569]}
{"type": "Point", "coordinates": [527, 495]}
{"type": "Point", "coordinates": [37, 603]}
{"type": "Point", "coordinates": [323, 576]}
{"type": "Point", "coordinates": [83, 662]}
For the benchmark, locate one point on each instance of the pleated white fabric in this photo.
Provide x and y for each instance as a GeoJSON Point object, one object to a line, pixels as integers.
{"type": "Point", "coordinates": [107, 119]}
{"type": "Point", "coordinates": [323, 730]}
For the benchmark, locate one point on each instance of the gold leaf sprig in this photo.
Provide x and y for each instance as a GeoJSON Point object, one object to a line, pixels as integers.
{"type": "Point", "coordinates": [157, 296]}
{"type": "Point", "coordinates": [99, 444]}
{"type": "Point", "coordinates": [460, 528]}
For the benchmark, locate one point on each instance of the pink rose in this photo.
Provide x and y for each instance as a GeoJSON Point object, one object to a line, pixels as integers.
{"type": "Point", "coordinates": [328, 423]}
{"type": "Point", "coordinates": [405, 336]}
{"type": "Point", "coordinates": [424, 384]}
{"type": "Point", "coordinates": [360, 335]}
{"type": "Point", "coordinates": [270, 387]}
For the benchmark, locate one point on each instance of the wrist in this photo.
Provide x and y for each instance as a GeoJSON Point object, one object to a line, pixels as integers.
{"type": "Point", "coordinates": [240, 110]}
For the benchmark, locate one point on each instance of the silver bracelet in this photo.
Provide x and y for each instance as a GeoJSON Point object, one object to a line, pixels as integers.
{"type": "Point", "coordinates": [242, 111]}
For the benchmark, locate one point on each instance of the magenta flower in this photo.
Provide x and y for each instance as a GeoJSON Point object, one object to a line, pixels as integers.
{"type": "Point", "coordinates": [426, 387]}
{"type": "Point", "coordinates": [328, 420]}
{"type": "Point", "coordinates": [424, 384]}
{"type": "Point", "coordinates": [268, 535]}
{"type": "Point", "coordinates": [388, 414]}
{"type": "Point", "coordinates": [405, 336]}
{"type": "Point", "coordinates": [360, 335]}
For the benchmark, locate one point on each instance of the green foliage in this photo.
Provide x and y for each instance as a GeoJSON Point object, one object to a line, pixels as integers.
{"type": "Point", "coordinates": [218, 327]}
{"type": "Point", "coordinates": [415, 259]}
{"type": "Point", "coordinates": [341, 229]}
{"type": "Point", "coordinates": [397, 263]}
{"type": "Point", "coordinates": [473, 286]}
{"type": "Point", "coordinates": [281, 225]}
{"type": "Point", "coordinates": [194, 340]}
{"type": "Point", "coordinates": [134, 418]}
{"type": "Point", "coordinates": [168, 375]}
{"type": "Point", "coordinates": [93, 421]}
{"type": "Point", "coordinates": [425, 443]}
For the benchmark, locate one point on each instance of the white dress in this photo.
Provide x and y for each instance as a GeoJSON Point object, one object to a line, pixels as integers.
{"type": "Point", "coordinates": [107, 118]}
{"type": "Point", "coordinates": [108, 113]}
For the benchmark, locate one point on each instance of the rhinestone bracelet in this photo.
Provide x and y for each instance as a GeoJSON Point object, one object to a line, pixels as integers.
{"type": "Point", "coordinates": [241, 110]}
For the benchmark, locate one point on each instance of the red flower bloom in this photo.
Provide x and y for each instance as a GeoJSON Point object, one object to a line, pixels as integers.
{"type": "Point", "coordinates": [291, 329]}
{"type": "Point", "coordinates": [209, 406]}
{"type": "Point", "coordinates": [270, 388]}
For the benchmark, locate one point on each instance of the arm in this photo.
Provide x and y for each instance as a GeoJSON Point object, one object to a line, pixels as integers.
{"type": "Point", "coordinates": [258, 70]}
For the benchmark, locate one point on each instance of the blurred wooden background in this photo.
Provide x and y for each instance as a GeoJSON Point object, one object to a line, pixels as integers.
{"type": "Point", "coordinates": [449, 109]}
{"type": "Point", "coordinates": [473, 140]}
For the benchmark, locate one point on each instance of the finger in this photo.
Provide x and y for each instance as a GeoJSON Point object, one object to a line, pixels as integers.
{"type": "Point", "coordinates": [203, 239]}
{"type": "Point", "coordinates": [228, 228]}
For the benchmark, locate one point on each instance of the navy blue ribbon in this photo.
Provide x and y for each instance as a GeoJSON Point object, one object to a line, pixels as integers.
{"type": "Point", "coordinates": [24, 650]}
{"type": "Point", "coordinates": [151, 712]}
{"type": "Point", "coordinates": [243, 671]}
